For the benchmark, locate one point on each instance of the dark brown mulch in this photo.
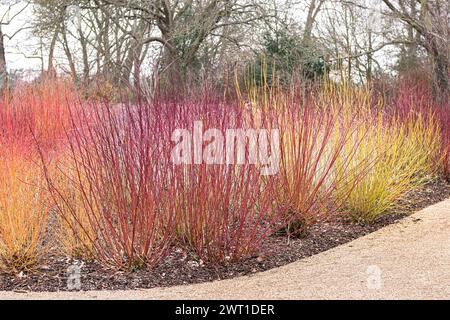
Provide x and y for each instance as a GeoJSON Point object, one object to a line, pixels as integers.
{"type": "Point", "coordinates": [179, 268]}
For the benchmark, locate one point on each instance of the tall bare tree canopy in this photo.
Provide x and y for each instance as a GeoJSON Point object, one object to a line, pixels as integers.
{"type": "Point", "coordinates": [430, 20]}
{"type": "Point", "coordinates": [10, 10]}
{"type": "Point", "coordinates": [124, 42]}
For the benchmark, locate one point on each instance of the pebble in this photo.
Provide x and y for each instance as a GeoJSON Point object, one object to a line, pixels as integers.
{"type": "Point", "coordinates": [193, 264]}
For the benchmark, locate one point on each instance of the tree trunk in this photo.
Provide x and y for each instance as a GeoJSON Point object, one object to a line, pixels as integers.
{"type": "Point", "coordinates": [51, 53]}
{"type": "Point", "coordinates": [412, 47]}
{"type": "Point", "coordinates": [441, 70]}
{"type": "Point", "coordinates": [84, 51]}
{"type": "Point", "coordinates": [441, 67]}
{"type": "Point", "coordinates": [170, 73]}
{"type": "Point", "coordinates": [133, 58]}
{"type": "Point", "coordinates": [137, 67]}
{"type": "Point", "coordinates": [69, 56]}
{"type": "Point", "coordinates": [3, 70]}
{"type": "Point", "coordinates": [313, 10]}
{"type": "Point", "coordinates": [106, 50]}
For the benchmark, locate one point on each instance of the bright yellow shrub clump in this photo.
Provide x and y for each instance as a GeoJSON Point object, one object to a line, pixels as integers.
{"type": "Point", "coordinates": [399, 156]}
{"type": "Point", "coordinates": [23, 213]}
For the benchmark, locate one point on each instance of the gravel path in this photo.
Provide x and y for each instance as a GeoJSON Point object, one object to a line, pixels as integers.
{"type": "Point", "coordinates": [406, 260]}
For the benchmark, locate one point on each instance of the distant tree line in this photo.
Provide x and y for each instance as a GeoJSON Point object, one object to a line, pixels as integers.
{"type": "Point", "coordinates": [126, 43]}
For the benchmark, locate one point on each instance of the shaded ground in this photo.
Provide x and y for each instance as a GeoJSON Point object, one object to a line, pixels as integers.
{"type": "Point", "coordinates": [179, 268]}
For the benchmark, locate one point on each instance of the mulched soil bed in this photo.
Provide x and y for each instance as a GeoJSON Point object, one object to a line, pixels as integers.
{"type": "Point", "coordinates": [179, 268]}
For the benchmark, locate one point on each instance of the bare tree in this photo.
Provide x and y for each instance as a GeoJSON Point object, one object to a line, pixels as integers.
{"type": "Point", "coordinates": [314, 8]}
{"type": "Point", "coordinates": [430, 19]}
{"type": "Point", "coordinates": [92, 44]}
{"type": "Point", "coordinates": [3, 69]}
{"type": "Point", "coordinates": [184, 27]}
{"type": "Point", "coordinates": [116, 40]}
{"type": "Point", "coordinates": [12, 10]}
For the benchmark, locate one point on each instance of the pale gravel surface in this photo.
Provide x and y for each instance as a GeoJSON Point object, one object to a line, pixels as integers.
{"type": "Point", "coordinates": [413, 256]}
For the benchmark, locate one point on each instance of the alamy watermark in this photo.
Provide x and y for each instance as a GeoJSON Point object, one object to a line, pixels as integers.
{"type": "Point", "coordinates": [236, 146]}
{"type": "Point", "coordinates": [74, 277]}
{"type": "Point", "coordinates": [373, 277]}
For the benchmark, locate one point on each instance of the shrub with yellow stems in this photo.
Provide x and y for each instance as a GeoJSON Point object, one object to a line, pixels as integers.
{"type": "Point", "coordinates": [312, 163]}
{"type": "Point", "coordinates": [23, 212]}
{"type": "Point", "coordinates": [424, 135]}
{"type": "Point", "coordinates": [400, 155]}
{"type": "Point", "coordinates": [73, 229]}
